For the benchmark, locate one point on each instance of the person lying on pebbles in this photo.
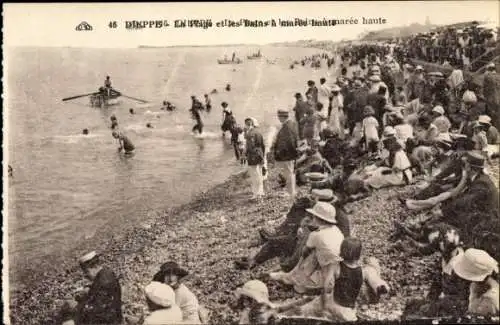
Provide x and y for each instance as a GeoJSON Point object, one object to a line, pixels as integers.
{"type": "Point", "coordinates": [99, 304]}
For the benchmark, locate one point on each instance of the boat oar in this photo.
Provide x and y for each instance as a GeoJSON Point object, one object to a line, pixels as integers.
{"type": "Point", "coordinates": [75, 97]}
{"type": "Point", "coordinates": [137, 99]}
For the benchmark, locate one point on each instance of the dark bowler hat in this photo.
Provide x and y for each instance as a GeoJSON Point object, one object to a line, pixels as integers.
{"type": "Point", "coordinates": [475, 159]}
{"type": "Point", "coordinates": [298, 95]}
{"type": "Point", "coordinates": [223, 104]}
{"type": "Point", "coordinates": [283, 112]}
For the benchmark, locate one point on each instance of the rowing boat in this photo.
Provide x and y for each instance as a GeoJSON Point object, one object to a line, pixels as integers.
{"type": "Point", "coordinates": [236, 61]}
{"type": "Point", "coordinates": [103, 100]}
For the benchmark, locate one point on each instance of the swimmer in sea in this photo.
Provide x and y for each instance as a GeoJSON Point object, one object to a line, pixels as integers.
{"type": "Point", "coordinates": [228, 87]}
{"type": "Point", "coordinates": [11, 171]}
{"type": "Point", "coordinates": [125, 143]}
{"type": "Point", "coordinates": [85, 131]}
{"type": "Point", "coordinates": [131, 111]}
{"type": "Point", "coordinates": [114, 122]}
{"type": "Point", "coordinates": [149, 126]}
{"type": "Point", "coordinates": [214, 91]}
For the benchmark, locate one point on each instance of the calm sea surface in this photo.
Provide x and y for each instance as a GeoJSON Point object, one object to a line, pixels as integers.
{"type": "Point", "coordinates": [66, 186]}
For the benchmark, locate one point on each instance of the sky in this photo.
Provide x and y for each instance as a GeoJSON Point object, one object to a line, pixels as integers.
{"type": "Point", "coordinates": [50, 24]}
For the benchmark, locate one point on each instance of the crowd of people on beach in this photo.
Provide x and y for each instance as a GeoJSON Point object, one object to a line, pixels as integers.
{"type": "Point", "coordinates": [381, 123]}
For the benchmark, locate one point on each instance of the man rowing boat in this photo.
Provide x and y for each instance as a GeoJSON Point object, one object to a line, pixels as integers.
{"type": "Point", "coordinates": [107, 86]}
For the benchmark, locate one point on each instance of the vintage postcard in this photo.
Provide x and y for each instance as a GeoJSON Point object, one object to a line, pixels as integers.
{"type": "Point", "coordinates": [251, 162]}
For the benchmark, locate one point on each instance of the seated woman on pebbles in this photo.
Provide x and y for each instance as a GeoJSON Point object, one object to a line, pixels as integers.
{"type": "Point", "coordinates": [172, 274]}
{"type": "Point", "coordinates": [320, 253]}
{"type": "Point", "coordinates": [254, 304]}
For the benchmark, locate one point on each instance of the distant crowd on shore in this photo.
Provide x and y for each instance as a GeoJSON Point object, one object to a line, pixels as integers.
{"type": "Point", "coordinates": [390, 124]}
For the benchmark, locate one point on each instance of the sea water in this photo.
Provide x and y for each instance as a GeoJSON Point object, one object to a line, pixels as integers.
{"type": "Point", "coordinates": [67, 186]}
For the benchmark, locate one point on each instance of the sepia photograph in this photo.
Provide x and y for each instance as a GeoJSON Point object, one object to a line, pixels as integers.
{"type": "Point", "coordinates": [273, 163]}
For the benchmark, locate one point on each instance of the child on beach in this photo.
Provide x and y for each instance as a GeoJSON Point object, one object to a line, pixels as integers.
{"type": "Point", "coordinates": [172, 274]}
{"type": "Point", "coordinates": [255, 306]}
{"type": "Point", "coordinates": [370, 130]}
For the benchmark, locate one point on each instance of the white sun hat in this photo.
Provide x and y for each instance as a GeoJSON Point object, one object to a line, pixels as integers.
{"type": "Point", "coordinates": [475, 265]}
{"type": "Point", "coordinates": [160, 293]}
{"type": "Point", "coordinates": [256, 290]}
{"type": "Point", "coordinates": [438, 109]}
{"type": "Point", "coordinates": [324, 211]}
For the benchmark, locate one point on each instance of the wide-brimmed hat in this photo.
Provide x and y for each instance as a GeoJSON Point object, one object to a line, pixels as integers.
{"type": "Point", "coordinates": [475, 265]}
{"type": "Point", "coordinates": [325, 195]}
{"type": "Point", "coordinates": [475, 124]}
{"type": "Point", "coordinates": [335, 87]}
{"type": "Point", "coordinates": [324, 211]}
{"type": "Point", "coordinates": [85, 259]}
{"type": "Point", "coordinates": [475, 159]}
{"type": "Point", "coordinates": [436, 74]}
{"type": "Point", "coordinates": [160, 293]}
{"type": "Point", "coordinates": [357, 83]}
{"type": "Point", "coordinates": [419, 67]}
{"type": "Point", "coordinates": [172, 267]}
{"type": "Point", "coordinates": [484, 119]}
{"type": "Point", "coordinates": [375, 78]}
{"type": "Point", "coordinates": [438, 109]}
{"type": "Point", "coordinates": [256, 290]}
{"type": "Point", "coordinates": [490, 65]}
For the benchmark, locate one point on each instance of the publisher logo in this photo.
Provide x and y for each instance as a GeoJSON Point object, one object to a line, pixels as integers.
{"type": "Point", "coordinates": [83, 26]}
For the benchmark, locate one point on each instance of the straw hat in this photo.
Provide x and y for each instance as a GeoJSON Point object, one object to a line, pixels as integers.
{"type": "Point", "coordinates": [375, 78]}
{"type": "Point", "coordinates": [490, 65]}
{"type": "Point", "coordinates": [436, 74]}
{"type": "Point", "coordinates": [325, 195]}
{"type": "Point", "coordinates": [358, 83]}
{"type": "Point", "coordinates": [88, 257]}
{"type": "Point", "coordinates": [438, 109]}
{"type": "Point", "coordinates": [256, 290]}
{"type": "Point", "coordinates": [485, 119]}
{"type": "Point", "coordinates": [160, 293]}
{"type": "Point", "coordinates": [419, 67]}
{"type": "Point", "coordinates": [324, 211]}
{"type": "Point", "coordinates": [475, 265]}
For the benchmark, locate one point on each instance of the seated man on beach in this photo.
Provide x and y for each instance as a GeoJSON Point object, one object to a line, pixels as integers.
{"type": "Point", "coordinates": [102, 303]}
{"type": "Point", "coordinates": [125, 143]}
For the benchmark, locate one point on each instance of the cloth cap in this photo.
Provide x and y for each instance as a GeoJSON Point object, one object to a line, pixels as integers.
{"type": "Point", "coordinates": [485, 119]}
{"type": "Point", "coordinates": [375, 78]}
{"type": "Point", "coordinates": [324, 195]}
{"type": "Point", "coordinates": [475, 265]}
{"type": "Point", "coordinates": [88, 257]}
{"type": "Point", "coordinates": [475, 159]}
{"type": "Point", "coordinates": [389, 131]}
{"type": "Point", "coordinates": [324, 211]}
{"type": "Point", "coordinates": [438, 109]}
{"type": "Point", "coordinates": [256, 290]}
{"type": "Point", "coordinates": [160, 293]}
